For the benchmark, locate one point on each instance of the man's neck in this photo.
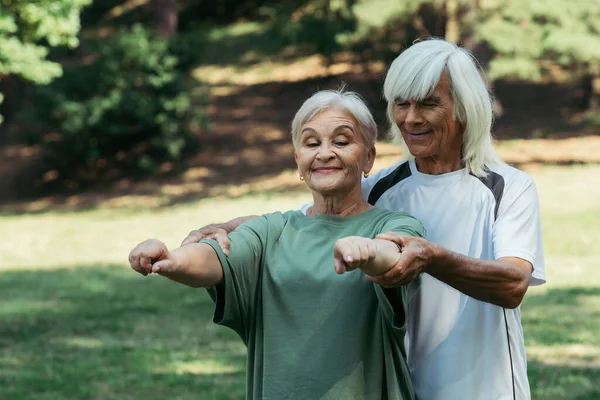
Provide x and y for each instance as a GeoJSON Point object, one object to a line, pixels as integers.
{"type": "Point", "coordinates": [438, 166]}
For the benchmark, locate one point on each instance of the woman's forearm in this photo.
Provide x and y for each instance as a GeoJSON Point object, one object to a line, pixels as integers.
{"type": "Point", "coordinates": [195, 265]}
{"type": "Point", "coordinates": [387, 255]}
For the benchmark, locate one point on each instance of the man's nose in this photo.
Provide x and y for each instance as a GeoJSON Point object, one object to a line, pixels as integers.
{"type": "Point", "coordinates": [414, 116]}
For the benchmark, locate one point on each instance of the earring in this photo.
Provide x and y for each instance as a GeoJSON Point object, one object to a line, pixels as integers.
{"type": "Point", "coordinates": [301, 178]}
{"type": "Point", "coordinates": [365, 174]}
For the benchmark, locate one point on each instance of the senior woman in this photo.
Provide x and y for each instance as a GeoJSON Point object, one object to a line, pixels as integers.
{"type": "Point", "coordinates": [484, 247]}
{"type": "Point", "coordinates": [293, 285]}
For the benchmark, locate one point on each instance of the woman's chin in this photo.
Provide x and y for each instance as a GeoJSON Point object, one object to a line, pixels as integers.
{"type": "Point", "coordinates": [333, 188]}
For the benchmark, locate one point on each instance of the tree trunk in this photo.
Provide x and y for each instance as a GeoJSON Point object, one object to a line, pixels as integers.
{"type": "Point", "coordinates": [593, 103]}
{"type": "Point", "coordinates": [469, 25]}
{"type": "Point", "coordinates": [167, 18]}
{"type": "Point", "coordinates": [10, 87]}
{"type": "Point", "coordinates": [452, 21]}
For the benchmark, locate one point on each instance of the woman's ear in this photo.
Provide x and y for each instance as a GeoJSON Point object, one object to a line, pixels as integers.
{"type": "Point", "coordinates": [297, 166]}
{"type": "Point", "coordinates": [370, 160]}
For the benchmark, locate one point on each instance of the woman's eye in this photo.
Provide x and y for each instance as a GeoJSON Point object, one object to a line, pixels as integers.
{"type": "Point", "coordinates": [400, 103]}
{"type": "Point", "coordinates": [312, 144]}
{"type": "Point", "coordinates": [341, 143]}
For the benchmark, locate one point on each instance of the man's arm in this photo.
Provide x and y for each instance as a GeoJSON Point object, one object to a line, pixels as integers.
{"type": "Point", "coordinates": [216, 232]}
{"type": "Point", "coordinates": [502, 282]}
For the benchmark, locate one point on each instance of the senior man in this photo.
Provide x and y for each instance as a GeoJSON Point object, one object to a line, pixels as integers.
{"type": "Point", "coordinates": [484, 244]}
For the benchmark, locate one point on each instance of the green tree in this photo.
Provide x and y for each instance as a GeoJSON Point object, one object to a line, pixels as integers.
{"type": "Point", "coordinates": [534, 39]}
{"type": "Point", "coordinates": [125, 106]}
{"type": "Point", "coordinates": [28, 29]}
{"type": "Point", "coordinates": [527, 39]}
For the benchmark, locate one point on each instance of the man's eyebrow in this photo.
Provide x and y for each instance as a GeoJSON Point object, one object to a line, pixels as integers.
{"type": "Point", "coordinates": [433, 98]}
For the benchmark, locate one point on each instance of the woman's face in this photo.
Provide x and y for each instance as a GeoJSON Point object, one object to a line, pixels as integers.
{"type": "Point", "coordinates": [331, 154]}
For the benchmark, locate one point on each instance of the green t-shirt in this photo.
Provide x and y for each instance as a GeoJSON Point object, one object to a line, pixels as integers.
{"type": "Point", "coordinates": [311, 333]}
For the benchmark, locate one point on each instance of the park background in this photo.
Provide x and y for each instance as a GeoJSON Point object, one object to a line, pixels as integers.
{"type": "Point", "coordinates": [124, 120]}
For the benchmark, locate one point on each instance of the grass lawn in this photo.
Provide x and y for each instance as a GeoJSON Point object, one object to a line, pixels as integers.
{"type": "Point", "coordinates": [76, 323]}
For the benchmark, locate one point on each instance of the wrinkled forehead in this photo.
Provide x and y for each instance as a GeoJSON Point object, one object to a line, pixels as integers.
{"type": "Point", "coordinates": [414, 78]}
{"type": "Point", "coordinates": [415, 89]}
{"type": "Point", "coordinates": [332, 115]}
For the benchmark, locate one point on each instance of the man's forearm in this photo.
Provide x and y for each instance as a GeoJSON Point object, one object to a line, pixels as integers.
{"type": "Point", "coordinates": [494, 281]}
{"type": "Point", "coordinates": [234, 223]}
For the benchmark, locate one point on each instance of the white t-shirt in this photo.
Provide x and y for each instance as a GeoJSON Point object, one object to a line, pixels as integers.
{"type": "Point", "coordinates": [459, 347]}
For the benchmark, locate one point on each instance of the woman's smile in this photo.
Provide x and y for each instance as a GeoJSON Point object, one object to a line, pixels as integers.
{"type": "Point", "coordinates": [326, 170]}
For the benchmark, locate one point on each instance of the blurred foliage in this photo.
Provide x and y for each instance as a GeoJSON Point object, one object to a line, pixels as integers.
{"type": "Point", "coordinates": [124, 105]}
{"type": "Point", "coordinates": [28, 29]}
{"type": "Point", "coordinates": [124, 101]}
{"type": "Point", "coordinates": [529, 37]}
{"type": "Point", "coordinates": [284, 29]}
{"type": "Point", "coordinates": [533, 41]}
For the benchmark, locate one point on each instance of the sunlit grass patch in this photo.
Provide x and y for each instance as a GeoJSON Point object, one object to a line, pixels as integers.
{"type": "Point", "coordinates": [77, 323]}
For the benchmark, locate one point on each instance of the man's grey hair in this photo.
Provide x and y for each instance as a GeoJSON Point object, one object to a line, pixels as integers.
{"type": "Point", "coordinates": [415, 73]}
{"type": "Point", "coordinates": [350, 102]}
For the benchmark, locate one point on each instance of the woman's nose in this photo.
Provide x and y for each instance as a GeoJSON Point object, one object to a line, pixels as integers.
{"type": "Point", "coordinates": [325, 152]}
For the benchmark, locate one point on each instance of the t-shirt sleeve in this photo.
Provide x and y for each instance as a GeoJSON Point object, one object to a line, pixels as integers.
{"type": "Point", "coordinates": [404, 224]}
{"type": "Point", "coordinates": [236, 296]}
{"type": "Point", "coordinates": [393, 302]}
{"type": "Point", "coordinates": [367, 184]}
{"type": "Point", "coordinates": [517, 231]}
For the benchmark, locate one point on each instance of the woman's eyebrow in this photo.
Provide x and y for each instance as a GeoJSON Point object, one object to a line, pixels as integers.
{"type": "Point", "coordinates": [308, 129]}
{"type": "Point", "coordinates": [344, 126]}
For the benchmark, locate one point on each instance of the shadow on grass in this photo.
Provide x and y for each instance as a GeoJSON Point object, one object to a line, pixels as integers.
{"type": "Point", "coordinates": [551, 382]}
{"type": "Point", "coordinates": [104, 332]}
{"type": "Point", "coordinates": [563, 317]}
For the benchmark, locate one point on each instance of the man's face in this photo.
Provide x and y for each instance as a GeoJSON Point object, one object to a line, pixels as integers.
{"type": "Point", "coordinates": [428, 126]}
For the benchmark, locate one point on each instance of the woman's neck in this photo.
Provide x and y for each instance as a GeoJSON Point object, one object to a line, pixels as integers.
{"type": "Point", "coordinates": [344, 205]}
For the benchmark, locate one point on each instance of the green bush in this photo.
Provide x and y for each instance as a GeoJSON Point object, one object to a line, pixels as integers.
{"type": "Point", "coordinates": [123, 104]}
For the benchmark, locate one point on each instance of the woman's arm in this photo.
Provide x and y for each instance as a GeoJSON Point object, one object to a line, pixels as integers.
{"type": "Point", "coordinates": [195, 265]}
{"type": "Point", "coordinates": [373, 256]}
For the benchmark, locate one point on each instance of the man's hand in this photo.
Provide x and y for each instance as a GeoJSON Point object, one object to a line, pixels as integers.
{"type": "Point", "coordinates": [152, 256]}
{"type": "Point", "coordinates": [353, 252]}
{"type": "Point", "coordinates": [214, 232]}
{"type": "Point", "coordinates": [415, 254]}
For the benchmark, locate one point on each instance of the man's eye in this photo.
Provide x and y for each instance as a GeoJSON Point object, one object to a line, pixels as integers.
{"type": "Point", "coordinates": [401, 103]}
{"type": "Point", "coordinates": [429, 104]}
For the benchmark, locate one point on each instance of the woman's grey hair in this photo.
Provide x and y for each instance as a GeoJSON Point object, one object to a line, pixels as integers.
{"type": "Point", "coordinates": [350, 102]}
{"type": "Point", "coordinates": [415, 73]}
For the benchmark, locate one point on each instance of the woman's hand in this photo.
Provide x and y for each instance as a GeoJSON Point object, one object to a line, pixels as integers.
{"type": "Point", "coordinates": [152, 256]}
{"type": "Point", "coordinates": [416, 254]}
{"type": "Point", "coordinates": [353, 252]}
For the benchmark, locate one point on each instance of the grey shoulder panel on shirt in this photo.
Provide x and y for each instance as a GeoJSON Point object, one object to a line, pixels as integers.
{"type": "Point", "coordinates": [495, 183]}
{"type": "Point", "coordinates": [400, 173]}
